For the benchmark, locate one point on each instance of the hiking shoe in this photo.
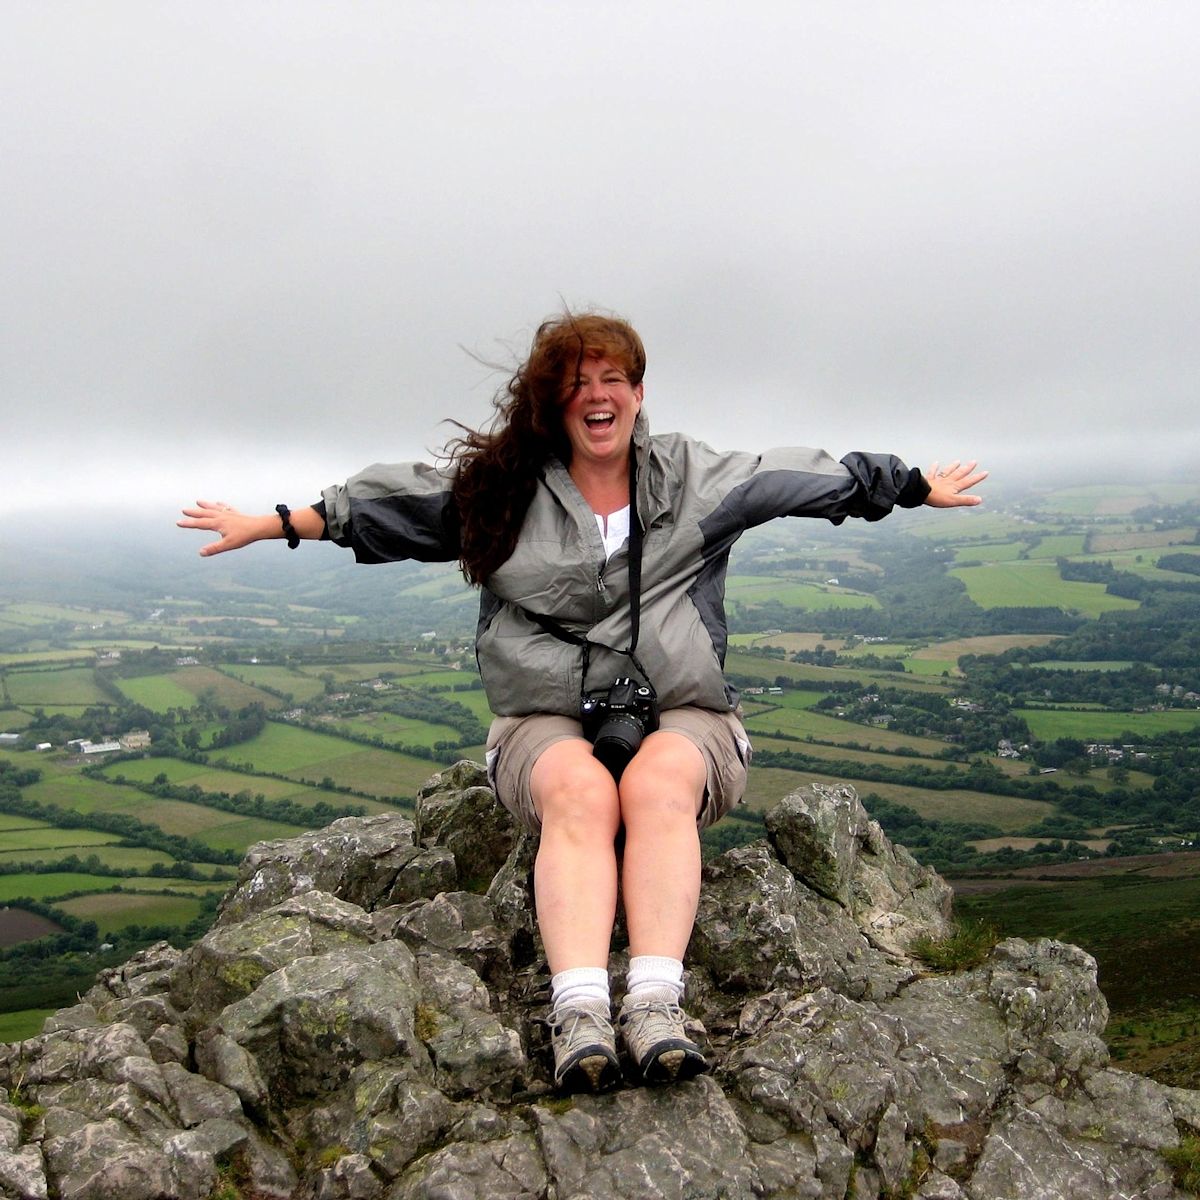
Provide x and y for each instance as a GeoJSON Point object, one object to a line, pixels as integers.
{"type": "Point", "coordinates": [585, 1049]}
{"type": "Point", "coordinates": [654, 1035]}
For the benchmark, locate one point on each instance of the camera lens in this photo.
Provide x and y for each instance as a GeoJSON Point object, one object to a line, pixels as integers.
{"type": "Point", "coordinates": [617, 741]}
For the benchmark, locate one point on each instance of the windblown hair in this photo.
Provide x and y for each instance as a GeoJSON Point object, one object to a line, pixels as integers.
{"type": "Point", "coordinates": [496, 469]}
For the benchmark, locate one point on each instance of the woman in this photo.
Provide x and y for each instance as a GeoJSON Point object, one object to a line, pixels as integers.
{"type": "Point", "coordinates": [601, 554]}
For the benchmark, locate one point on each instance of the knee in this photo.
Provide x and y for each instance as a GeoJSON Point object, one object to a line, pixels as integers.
{"type": "Point", "coordinates": [664, 782]}
{"type": "Point", "coordinates": [579, 800]}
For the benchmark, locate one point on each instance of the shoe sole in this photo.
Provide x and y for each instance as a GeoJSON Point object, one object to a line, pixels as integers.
{"type": "Point", "coordinates": [592, 1073]}
{"type": "Point", "coordinates": [673, 1065]}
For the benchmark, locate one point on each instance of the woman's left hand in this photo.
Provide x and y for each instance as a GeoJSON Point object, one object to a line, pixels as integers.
{"type": "Point", "coordinates": [948, 485]}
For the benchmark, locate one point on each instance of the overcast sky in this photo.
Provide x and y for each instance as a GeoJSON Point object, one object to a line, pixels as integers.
{"type": "Point", "coordinates": [244, 245]}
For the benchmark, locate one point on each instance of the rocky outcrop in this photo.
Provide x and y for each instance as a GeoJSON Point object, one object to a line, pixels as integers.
{"type": "Point", "coordinates": [364, 1021]}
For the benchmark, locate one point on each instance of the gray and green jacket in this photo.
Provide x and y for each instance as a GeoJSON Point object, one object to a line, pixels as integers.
{"type": "Point", "coordinates": [693, 504]}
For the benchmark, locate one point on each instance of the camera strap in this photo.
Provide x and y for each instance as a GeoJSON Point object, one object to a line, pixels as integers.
{"type": "Point", "coordinates": [636, 537]}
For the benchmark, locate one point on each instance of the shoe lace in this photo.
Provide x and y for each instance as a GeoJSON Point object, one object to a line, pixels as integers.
{"type": "Point", "coordinates": [657, 1017]}
{"type": "Point", "coordinates": [569, 1023]}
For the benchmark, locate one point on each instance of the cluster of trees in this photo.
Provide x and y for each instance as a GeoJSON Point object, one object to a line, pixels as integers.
{"type": "Point", "coordinates": [1185, 564]}
{"type": "Point", "coordinates": [248, 723]}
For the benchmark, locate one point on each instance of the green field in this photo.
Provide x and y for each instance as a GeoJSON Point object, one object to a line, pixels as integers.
{"type": "Point", "coordinates": [1048, 724]}
{"type": "Point", "coordinates": [185, 687]}
{"type": "Point", "coordinates": [158, 693]}
{"type": "Point", "coordinates": [220, 830]}
{"type": "Point", "coordinates": [17, 1026]}
{"type": "Point", "coordinates": [232, 783]}
{"type": "Point", "coordinates": [291, 681]}
{"type": "Point", "coordinates": [989, 552]}
{"type": "Point", "coordinates": [811, 597]}
{"type": "Point", "coordinates": [1062, 545]}
{"type": "Point", "coordinates": [69, 687]}
{"type": "Point", "coordinates": [1068, 665]}
{"type": "Point", "coordinates": [302, 754]}
{"type": "Point", "coordinates": [47, 837]}
{"type": "Point", "coordinates": [1008, 813]}
{"type": "Point", "coordinates": [1036, 585]}
{"type": "Point", "coordinates": [765, 670]}
{"type": "Point", "coordinates": [115, 911]}
{"type": "Point", "coordinates": [35, 613]}
{"type": "Point", "coordinates": [394, 728]}
{"type": "Point", "coordinates": [802, 723]}
{"type": "Point", "coordinates": [51, 885]}
{"type": "Point", "coordinates": [120, 858]}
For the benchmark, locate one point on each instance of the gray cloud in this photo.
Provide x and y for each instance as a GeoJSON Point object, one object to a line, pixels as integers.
{"type": "Point", "coordinates": [243, 244]}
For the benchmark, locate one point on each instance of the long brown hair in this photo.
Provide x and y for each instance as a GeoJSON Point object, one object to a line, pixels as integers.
{"type": "Point", "coordinates": [496, 469]}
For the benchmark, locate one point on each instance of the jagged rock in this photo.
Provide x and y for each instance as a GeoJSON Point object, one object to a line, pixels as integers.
{"type": "Point", "coordinates": [230, 961]}
{"type": "Point", "coordinates": [758, 928]}
{"type": "Point", "coordinates": [826, 839]}
{"type": "Point", "coordinates": [23, 1174]}
{"type": "Point", "coordinates": [362, 1023]}
{"type": "Point", "coordinates": [457, 810]}
{"type": "Point", "coordinates": [369, 861]}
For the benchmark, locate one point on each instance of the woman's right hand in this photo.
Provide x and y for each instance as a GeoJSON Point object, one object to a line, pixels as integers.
{"type": "Point", "coordinates": [237, 529]}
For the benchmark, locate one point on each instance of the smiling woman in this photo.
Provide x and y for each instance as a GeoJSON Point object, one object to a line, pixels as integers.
{"type": "Point", "coordinates": [600, 552]}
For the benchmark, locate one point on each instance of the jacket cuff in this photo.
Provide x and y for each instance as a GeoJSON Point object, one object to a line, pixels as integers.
{"type": "Point", "coordinates": [913, 493]}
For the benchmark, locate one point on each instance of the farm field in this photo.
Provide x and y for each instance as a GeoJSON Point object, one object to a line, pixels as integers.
{"type": "Point", "coordinates": [768, 784]}
{"type": "Point", "coordinates": [115, 911]}
{"type": "Point", "coordinates": [802, 723]}
{"type": "Point", "coordinates": [1036, 584]}
{"type": "Point", "coordinates": [215, 828]}
{"type": "Point", "coordinates": [809, 597]}
{"type": "Point", "coordinates": [231, 783]}
{"type": "Point", "coordinates": [286, 680]}
{"type": "Point", "coordinates": [764, 669]}
{"type": "Point", "coordinates": [61, 687]}
{"type": "Point", "coordinates": [184, 687]}
{"type": "Point", "coordinates": [1098, 724]}
{"type": "Point", "coordinates": [303, 754]}
{"type": "Point", "coordinates": [791, 643]}
{"type": "Point", "coordinates": [989, 552]}
{"type": "Point", "coordinates": [395, 728]}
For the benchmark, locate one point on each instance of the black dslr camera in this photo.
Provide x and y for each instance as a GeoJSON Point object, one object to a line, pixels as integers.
{"type": "Point", "coordinates": [616, 720]}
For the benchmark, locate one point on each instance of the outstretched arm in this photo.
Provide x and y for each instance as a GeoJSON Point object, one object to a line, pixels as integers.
{"type": "Point", "coordinates": [238, 529]}
{"type": "Point", "coordinates": [948, 486]}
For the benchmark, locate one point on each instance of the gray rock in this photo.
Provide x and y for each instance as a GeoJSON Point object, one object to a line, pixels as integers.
{"type": "Point", "coordinates": [758, 929]}
{"type": "Point", "coordinates": [357, 859]}
{"type": "Point", "coordinates": [230, 961]}
{"type": "Point", "coordinates": [309, 1024]}
{"type": "Point", "coordinates": [360, 1026]}
{"type": "Point", "coordinates": [469, 822]}
{"type": "Point", "coordinates": [79, 1016]}
{"type": "Point", "coordinates": [826, 839]}
{"type": "Point", "coordinates": [167, 1044]}
{"type": "Point", "coordinates": [103, 1162]}
{"type": "Point", "coordinates": [222, 1060]}
{"type": "Point", "coordinates": [23, 1173]}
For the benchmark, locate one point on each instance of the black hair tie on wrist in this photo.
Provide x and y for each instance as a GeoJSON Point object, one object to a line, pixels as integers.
{"type": "Point", "coordinates": [289, 532]}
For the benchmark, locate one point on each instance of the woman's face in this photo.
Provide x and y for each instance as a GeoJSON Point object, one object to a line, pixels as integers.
{"type": "Point", "coordinates": [599, 409]}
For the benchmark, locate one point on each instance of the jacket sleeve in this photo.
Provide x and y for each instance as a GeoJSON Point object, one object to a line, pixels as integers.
{"type": "Point", "coordinates": [799, 482]}
{"type": "Point", "coordinates": [392, 512]}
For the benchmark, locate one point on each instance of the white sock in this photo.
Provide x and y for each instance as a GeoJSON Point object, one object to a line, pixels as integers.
{"type": "Point", "coordinates": [579, 985]}
{"type": "Point", "coordinates": [653, 977]}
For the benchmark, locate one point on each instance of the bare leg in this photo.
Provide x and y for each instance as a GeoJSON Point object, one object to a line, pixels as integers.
{"type": "Point", "coordinates": [661, 791]}
{"type": "Point", "coordinates": [575, 876]}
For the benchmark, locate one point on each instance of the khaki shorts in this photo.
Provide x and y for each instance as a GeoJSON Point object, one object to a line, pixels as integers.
{"type": "Point", "coordinates": [515, 743]}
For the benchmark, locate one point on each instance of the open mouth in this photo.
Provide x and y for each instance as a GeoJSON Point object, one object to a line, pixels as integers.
{"type": "Point", "coordinates": [599, 420]}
